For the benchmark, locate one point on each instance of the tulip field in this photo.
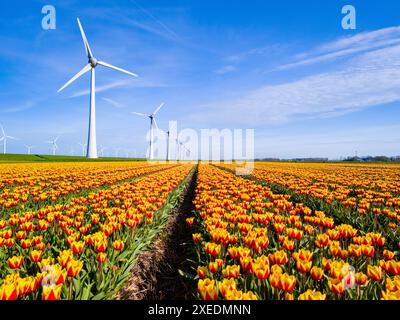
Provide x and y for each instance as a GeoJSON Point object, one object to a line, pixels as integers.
{"type": "Point", "coordinates": [298, 231]}
{"type": "Point", "coordinates": [287, 231]}
{"type": "Point", "coordinates": [74, 230]}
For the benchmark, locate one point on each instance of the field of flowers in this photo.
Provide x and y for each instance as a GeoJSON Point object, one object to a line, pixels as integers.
{"type": "Point", "coordinates": [74, 230]}
{"type": "Point", "coordinates": [255, 243]}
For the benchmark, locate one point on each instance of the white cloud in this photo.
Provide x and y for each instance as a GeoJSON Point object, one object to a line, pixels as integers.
{"type": "Point", "coordinates": [372, 78]}
{"type": "Point", "coordinates": [225, 69]}
{"type": "Point", "coordinates": [344, 47]}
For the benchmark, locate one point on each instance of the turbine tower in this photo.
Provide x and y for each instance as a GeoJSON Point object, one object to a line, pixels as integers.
{"type": "Point", "coordinates": [54, 145]}
{"type": "Point", "coordinates": [153, 123]}
{"type": "Point", "coordinates": [92, 64]}
{"type": "Point", "coordinates": [4, 138]}
{"type": "Point", "coordinates": [167, 145]}
{"type": "Point", "coordinates": [29, 148]}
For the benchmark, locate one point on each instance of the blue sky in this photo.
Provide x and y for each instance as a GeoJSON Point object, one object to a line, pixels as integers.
{"type": "Point", "coordinates": [288, 70]}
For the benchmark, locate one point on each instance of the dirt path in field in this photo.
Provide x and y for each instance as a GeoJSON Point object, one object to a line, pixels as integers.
{"type": "Point", "coordinates": [155, 275]}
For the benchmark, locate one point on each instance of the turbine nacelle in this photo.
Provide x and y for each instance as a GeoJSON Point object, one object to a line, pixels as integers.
{"type": "Point", "coordinates": [93, 62]}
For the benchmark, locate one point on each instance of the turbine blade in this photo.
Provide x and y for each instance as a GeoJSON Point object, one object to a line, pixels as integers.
{"type": "Point", "coordinates": [155, 123]}
{"type": "Point", "coordinates": [81, 72]}
{"type": "Point", "coordinates": [105, 64]}
{"type": "Point", "coordinates": [85, 42]}
{"type": "Point", "coordinates": [140, 114]}
{"type": "Point", "coordinates": [12, 138]}
{"type": "Point", "coordinates": [159, 107]}
{"type": "Point", "coordinates": [2, 138]}
{"type": "Point", "coordinates": [2, 131]}
{"type": "Point", "coordinates": [55, 140]}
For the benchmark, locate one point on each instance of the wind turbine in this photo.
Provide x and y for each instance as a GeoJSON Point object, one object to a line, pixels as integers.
{"type": "Point", "coordinates": [54, 145]}
{"type": "Point", "coordinates": [83, 145]}
{"type": "Point", "coordinates": [117, 152]}
{"type": "Point", "coordinates": [92, 64]}
{"type": "Point", "coordinates": [4, 139]}
{"type": "Point", "coordinates": [153, 122]}
{"type": "Point", "coordinates": [29, 148]}
{"type": "Point", "coordinates": [167, 145]}
{"type": "Point", "coordinates": [102, 148]}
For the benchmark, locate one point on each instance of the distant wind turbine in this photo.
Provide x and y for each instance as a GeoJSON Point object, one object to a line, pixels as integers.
{"type": "Point", "coordinates": [4, 138]}
{"type": "Point", "coordinates": [117, 152]}
{"type": "Point", "coordinates": [54, 145]}
{"type": "Point", "coordinates": [92, 64]}
{"type": "Point", "coordinates": [102, 148]}
{"type": "Point", "coordinates": [29, 148]}
{"type": "Point", "coordinates": [153, 123]}
{"type": "Point", "coordinates": [83, 145]}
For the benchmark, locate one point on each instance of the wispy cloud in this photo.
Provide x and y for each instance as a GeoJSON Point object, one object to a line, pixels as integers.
{"type": "Point", "coordinates": [113, 102]}
{"type": "Point", "coordinates": [18, 108]}
{"type": "Point", "coordinates": [225, 69]}
{"type": "Point", "coordinates": [125, 83]}
{"type": "Point", "coordinates": [344, 47]}
{"type": "Point", "coordinates": [372, 78]}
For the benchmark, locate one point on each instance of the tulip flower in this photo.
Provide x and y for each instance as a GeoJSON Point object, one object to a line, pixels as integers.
{"type": "Point", "coordinates": [361, 279]}
{"type": "Point", "coordinates": [316, 273]}
{"type": "Point", "coordinates": [287, 282]}
{"type": "Point", "coordinates": [74, 267]}
{"type": "Point", "coordinates": [51, 292]}
{"type": "Point", "coordinates": [336, 286]}
{"type": "Point", "coordinates": [101, 257]}
{"type": "Point", "coordinates": [374, 273]}
{"type": "Point", "coordinates": [312, 295]}
{"type": "Point", "coordinates": [207, 289]}
{"type": "Point", "coordinates": [303, 265]}
{"type": "Point", "coordinates": [202, 272]}
{"type": "Point", "coordinates": [232, 271]}
{"type": "Point", "coordinates": [8, 292]}
{"type": "Point", "coordinates": [196, 237]}
{"type": "Point", "coordinates": [15, 262]}
{"type": "Point", "coordinates": [77, 246]}
{"type": "Point", "coordinates": [36, 255]}
{"type": "Point", "coordinates": [226, 285]}
{"type": "Point", "coordinates": [118, 245]}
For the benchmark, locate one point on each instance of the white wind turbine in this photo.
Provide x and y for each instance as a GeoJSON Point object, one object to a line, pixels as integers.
{"type": "Point", "coordinates": [54, 145]}
{"type": "Point", "coordinates": [83, 145]}
{"type": "Point", "coordinates": [153, 123]}
{"type": "Point", "coordinates": [102, 148]}
{"type": "Point", "coordinates": [4, 138]}
{"type": "Point", "coordinates": [92, 64]}
{"type": "Point", "coordinates": [117, 152]}
{"type": "Point", "coordinates": [29, 148]}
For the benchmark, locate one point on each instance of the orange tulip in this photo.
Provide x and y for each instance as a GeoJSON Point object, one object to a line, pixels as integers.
{"type": "Point", "coordinates": [316, 273]}
{"type": "Point", "coordinates": [15, 262]}
{"type": "Point", "coordinates": [51, 292]}
{"type": "Point", "coordinates": [74, 267]}
{"type": "Point", "coordinates": [207, 289]}
{"type": "Point", "coordinates": [303, 266]}
{"type": "Point", "coordinates": [312, 295]}
{"type": "Point", "coordinates": [287, 282]}
{"type": "Point", "coordinates": [77, 246]}
{"type": "Point", "coordinates": [336, 286]}
{"type": "Point", "coordinates": [361, 279]}
{"type": "Point", "coordinates": [8, 292]}
{"type": "Point", "coordinates": [232, 271]}
{"type": "Point", "coordinates": [118, 245]}
{"type": "Point", "coordinates": [374, 273]}
{"type": "Point", "coordinates": [202, 272]}
{"type": "Point", "coordinates": [389, 255]}
{"type": "Point", "coordinates": [101, 257]}
{"type": "Point", "coordinates": [36, 255]}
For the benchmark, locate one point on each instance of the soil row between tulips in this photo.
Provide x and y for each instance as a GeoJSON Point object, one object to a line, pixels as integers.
{"type": "Point", "coordinates": [336, 210]}
{"type": "Point", "coordinates": [160, 272]}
